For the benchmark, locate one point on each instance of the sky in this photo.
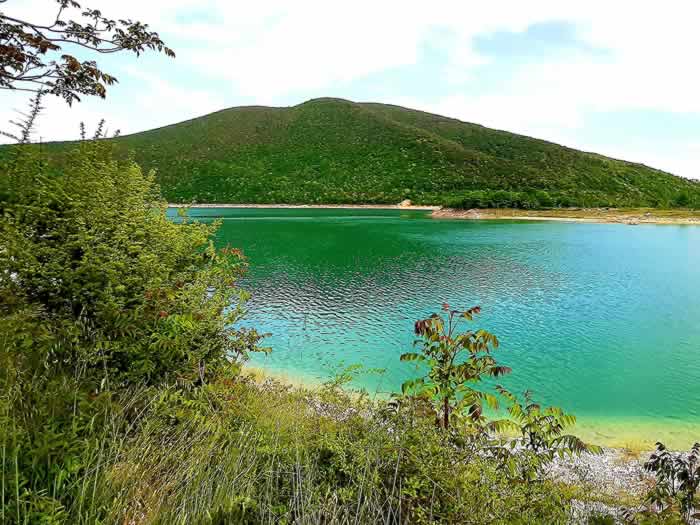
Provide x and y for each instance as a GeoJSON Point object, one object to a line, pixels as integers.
{"type": "Point", "coordinates": [617, 77]}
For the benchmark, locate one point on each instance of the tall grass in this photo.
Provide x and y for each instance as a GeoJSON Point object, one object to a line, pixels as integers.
{"type": "Point", "coordinates": [241, 452]}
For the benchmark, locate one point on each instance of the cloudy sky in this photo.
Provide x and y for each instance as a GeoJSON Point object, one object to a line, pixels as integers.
{"type": "Point", "coordinates": [619, 77]}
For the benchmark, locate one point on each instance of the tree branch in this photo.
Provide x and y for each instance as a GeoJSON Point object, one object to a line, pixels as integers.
{"type": "Point", "coordinates": [29, 52]}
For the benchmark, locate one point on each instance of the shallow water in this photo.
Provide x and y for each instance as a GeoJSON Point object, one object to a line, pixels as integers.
{"type": "Point", "coordinates": [601, 319]}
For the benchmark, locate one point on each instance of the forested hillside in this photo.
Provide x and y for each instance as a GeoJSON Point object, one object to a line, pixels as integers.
{"type": "Point", "coordinates": [337, 151]}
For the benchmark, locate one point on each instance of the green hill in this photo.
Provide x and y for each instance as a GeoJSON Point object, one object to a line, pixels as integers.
{"type": "Point", "coordinates": [337, 151]}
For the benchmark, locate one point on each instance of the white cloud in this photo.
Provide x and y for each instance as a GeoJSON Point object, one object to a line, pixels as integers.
{"type": "Point", "coordinates": [272, 51]}
{"type": "Point", "coordinates": [307, 47]}
{"type": "Point", "coordinates": [173, 103]}
{"type": "Point", "coordinates": [315, 44]}
{"type": "Point", "coordinates": [154, 102]}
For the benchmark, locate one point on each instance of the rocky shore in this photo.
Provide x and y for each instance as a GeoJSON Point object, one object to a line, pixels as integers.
{"type": "Point", "coordinates": [595, 215]}
{"type": "Point", "coordinates": [615, 473]}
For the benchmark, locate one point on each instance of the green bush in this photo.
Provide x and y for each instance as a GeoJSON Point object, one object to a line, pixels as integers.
{"type": "Point", "coordinates": [456, 361]}
{"type": "Point", "coordinates": [100, 294]}
{"type": "Point", "coordinates": [677, 484]}
{"type": "Point", "coordinates": [118, 291]}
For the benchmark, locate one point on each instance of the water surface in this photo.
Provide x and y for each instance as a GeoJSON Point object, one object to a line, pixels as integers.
{"type": "Point", "coordinates": [601, 319]}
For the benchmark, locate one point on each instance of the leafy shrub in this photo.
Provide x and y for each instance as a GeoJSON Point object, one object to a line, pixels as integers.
{"type": "Point", "coordinates": [682, 200]}
{"type": "Point", "coordinates": [118, 291]}
{"type": "Point", "coordinates": [677, 482]}
{"type": "Point", "coordinates": [100, 294]}
{"type": "Point", "coordinates": [455, 362]}
{"type": "Point", "coordinates": [542, 436]}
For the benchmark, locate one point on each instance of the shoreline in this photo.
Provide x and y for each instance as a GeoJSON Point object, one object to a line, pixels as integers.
{"type": "Point", "coordinates": [617, 473]}
{"type": "Point", "coordinates": [633, 435]}
{"type": "Point", "coordinates": [631, 216]}
{"type": "Point", "coordinates": [312, 206]}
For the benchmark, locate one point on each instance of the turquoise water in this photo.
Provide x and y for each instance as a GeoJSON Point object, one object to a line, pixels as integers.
{"type": "Point", "coordinates": [601, 319]}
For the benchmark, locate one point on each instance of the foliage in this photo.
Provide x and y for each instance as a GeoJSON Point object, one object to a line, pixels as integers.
{"type": "Point", "coordinates": [101, 296]}
{"type": "Point", "coordinates": [542, 429]}
{"type": "Point", "coordinates": [542, 436]}
{"type": "Point", "coordinates": [121, 293]}
{"type": "Point", "coordinates": [337, 152]}
{"type": "Point", "coordinates": [55, 434]}
{"type": "Point", "coordinates": [677, 482]}
{"type": "Point", "coordinates": [456, 362]}
{"type": "Point", "coordinates": [32, 57]}
{"type": "Point", "coordinates": [234, 451]}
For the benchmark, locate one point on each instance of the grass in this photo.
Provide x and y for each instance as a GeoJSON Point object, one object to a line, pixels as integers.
{"type": "Point", "coordinates": [334, 151]}
{"type": "Point", "coordinates": [243, 451]}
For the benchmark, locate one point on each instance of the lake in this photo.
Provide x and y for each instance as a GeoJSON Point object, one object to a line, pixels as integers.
{"type": "Point", "coordinates": [600, 319]}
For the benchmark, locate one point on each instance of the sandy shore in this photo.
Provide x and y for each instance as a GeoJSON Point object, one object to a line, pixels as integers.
{"type": "Point", "coordinates": [594, 215]}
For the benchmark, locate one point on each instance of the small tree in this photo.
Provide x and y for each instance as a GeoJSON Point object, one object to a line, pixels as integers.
{"type": "Point", "coordinates": [542, 436]}
{"type": "Point", "coordinates": [32, 58]}
{"type": "Point", "coordinates": [682, 200]}
{"type": "Point", "coordinates": [677, 481]}
{"type": "Point", "coordinates": [456, 362]}
{"type": "Point", "coordinates": [542, 429]}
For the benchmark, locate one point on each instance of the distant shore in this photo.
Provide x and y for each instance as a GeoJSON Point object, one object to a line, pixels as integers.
{"type": "Point", "coordinates": [594, 215]}
{"type": "Point", "coordinates": [630, 216]}
{"type": "Point", "coordinates": [313, 206]}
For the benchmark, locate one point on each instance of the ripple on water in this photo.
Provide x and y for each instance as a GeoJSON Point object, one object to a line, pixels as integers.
{"type": "Point", "coordinates": [600, 319]}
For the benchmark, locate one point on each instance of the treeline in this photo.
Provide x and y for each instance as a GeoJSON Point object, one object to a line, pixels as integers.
{"type": "Point", "coordinates": [541, 199]}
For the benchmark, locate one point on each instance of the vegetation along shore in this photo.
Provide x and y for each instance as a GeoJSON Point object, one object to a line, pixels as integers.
{"type": "Point", "coordinates": [614, 481]}
{"type": "Point", "coordinates": [631, 216]}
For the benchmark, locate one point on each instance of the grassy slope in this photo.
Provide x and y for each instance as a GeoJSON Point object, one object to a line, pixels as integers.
{"type": "Point", "coordinates": [336, 151]}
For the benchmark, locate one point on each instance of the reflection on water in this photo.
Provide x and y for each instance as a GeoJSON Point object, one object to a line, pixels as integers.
{"type": "Point", "coordinates": [601, 319]}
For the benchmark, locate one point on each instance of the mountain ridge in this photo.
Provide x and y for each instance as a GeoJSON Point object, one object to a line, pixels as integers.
{"type": "Point", "coordinates": [335, 151]}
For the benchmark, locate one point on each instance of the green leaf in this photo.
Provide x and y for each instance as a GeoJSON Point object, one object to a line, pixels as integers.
{"type": "Point", "coordinates": [411, 357]}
